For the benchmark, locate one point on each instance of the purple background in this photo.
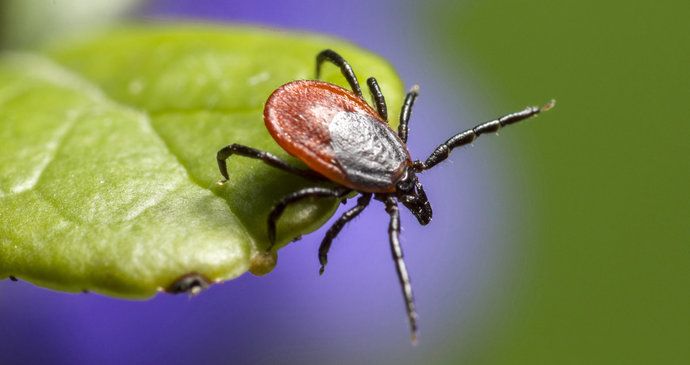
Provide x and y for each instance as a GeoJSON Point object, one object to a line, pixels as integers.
{"type": "Point", "coordinates": [355, 311]}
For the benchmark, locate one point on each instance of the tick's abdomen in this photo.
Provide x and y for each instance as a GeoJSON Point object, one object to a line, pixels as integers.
{"type": "Point", "coordinates": [336, 134]}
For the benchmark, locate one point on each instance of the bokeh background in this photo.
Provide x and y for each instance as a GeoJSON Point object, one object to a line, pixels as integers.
{"type": "Point", "coordinates": [564, 240]}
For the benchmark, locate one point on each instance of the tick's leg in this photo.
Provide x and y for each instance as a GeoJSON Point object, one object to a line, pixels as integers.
{"type": "Point", "coordinates": [278, 209]}
{"type": "Point", "coordinates": [403, 277]}
{"type": "Point", "coordinates": [443, 151]}
{"type": "Point", "coordinates": [362, 203]}
{"type": "Point", "coordinates": [406, 112]}
{"type": "Point", "coordinates": [345, 68]}
{"type": "Point", "coordinates": [269, 159]}
{"type": "Point", "coordinates": [380, 101]}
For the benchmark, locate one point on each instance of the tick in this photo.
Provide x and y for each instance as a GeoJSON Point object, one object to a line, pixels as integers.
{"type": "Point", "coordinates": [342, 139]}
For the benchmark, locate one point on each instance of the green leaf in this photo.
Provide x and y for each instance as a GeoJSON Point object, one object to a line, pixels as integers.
{"type": "Point", "coordinates": [108, 179]}
{"type": "Point", "coordinates": [25, 23]}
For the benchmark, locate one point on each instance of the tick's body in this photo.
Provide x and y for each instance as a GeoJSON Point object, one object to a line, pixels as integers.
{"type": "Point", "coordinates": [337, 134]}
{"type": "Point", "coordinates": [343, 139]}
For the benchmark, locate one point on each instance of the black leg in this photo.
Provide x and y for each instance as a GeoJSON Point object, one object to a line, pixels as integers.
{"type": "Point", "coordinates": [443, 151]}
{"type": "Point", "coordinates": [269, 159]}
{"type": "Point", "coordinates": [362, 203]}
{"type": "Point", "coordinates": [345, 68]}
{"type": "Point", "coordinates": [380, 101]}
{"type": "Point", "coordinates": [278, 209]}
{"type": "Point", "coordinates": [406, 112]}
{"type": "Point", "coordinates": [403, 276]}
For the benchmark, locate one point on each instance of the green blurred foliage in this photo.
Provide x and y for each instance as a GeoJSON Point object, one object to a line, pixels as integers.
{"type": "Point", "coordinates": [24, 23]}
{"type": "Point", "coordinates": [607, 274]}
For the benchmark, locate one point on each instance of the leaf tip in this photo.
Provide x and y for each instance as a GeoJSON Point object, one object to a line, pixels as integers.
{"type": "Point", "coordinates": [263, 262]}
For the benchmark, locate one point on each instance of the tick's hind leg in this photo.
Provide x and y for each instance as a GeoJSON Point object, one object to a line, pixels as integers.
{"type": "Point", "coordinates": [345, 68]}
{"type": "Point", "coordinates": [362, 203]}
{"type": "Point", "coordinates": [403, 276]}
{"type": "Point", "coordinates": [267, 158]}
{"type": "Point", "coordinates": [278, 209]}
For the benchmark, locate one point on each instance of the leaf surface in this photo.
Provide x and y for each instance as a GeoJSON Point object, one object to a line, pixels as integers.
{"type": "Point", "coordinates": [108, 179]}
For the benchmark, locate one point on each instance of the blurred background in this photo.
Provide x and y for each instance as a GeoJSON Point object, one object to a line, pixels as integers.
{"type": "Point", "coordinates": [564, 240]}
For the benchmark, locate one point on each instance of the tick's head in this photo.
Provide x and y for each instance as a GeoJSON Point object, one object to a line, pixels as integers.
{"type": "Point", "coordinates": [410, 193]}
